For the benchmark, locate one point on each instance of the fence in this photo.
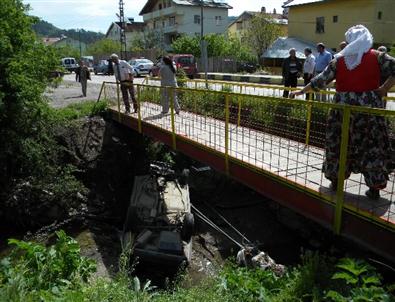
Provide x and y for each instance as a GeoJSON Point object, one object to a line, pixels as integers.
{"type": "Point", "coordinates": [284, 137]}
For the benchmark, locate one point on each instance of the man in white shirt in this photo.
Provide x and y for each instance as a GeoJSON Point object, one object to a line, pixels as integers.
{"type": "Point", "coordinates": [308, 70]}
{"type": "Point", "coordinates": [124, 75]}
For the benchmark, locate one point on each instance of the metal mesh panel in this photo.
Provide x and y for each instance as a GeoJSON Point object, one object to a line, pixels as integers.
{"type": "Point", "coordinates": [282, 136]}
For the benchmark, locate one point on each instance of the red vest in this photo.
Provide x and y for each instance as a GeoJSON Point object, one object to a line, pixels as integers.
{"type": "Point", "coordinates": [365, 77]}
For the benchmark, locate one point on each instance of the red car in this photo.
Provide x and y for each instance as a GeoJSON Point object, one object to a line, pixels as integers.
{"type": "Point", "coordinates": [184, 61]}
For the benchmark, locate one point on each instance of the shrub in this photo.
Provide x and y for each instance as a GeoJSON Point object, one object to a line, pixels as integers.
{"type": "Point", "coordinates": [32, 269]}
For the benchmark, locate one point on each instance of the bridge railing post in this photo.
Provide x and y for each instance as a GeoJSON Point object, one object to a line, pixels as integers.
{"type": "Point", "coordinates": [119, 102]}
{"type": "Point", "coordinates": [227, 133]}
{"type": "Point", "coordinates": [103, 85]}
{"type": "Point", "coordinates": [173, 127]}
{"type": "Point", "coordinates": [308, 119]}
{"type": "Point", "coordinates": [139, 108]}
{"type": "Point", "coordinates": [342, 169]}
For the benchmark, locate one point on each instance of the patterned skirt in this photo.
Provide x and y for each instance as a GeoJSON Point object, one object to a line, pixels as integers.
{"type": "Point", "coordinates": [369, 145]}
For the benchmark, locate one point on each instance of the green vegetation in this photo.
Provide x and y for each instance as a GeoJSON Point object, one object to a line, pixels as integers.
{"type": "Point", "coordinates": [79, 110]}
{"type": "Point", "coordinates": [104, 48]}
{"type": "Point", "coordinates": [43, 28]}
{"type": "Point", "coordinates": [218, 46]}
{"type": "Point", "coordinates": [34, 180]}
{"type": "Point", "coordinates": [33, 272]}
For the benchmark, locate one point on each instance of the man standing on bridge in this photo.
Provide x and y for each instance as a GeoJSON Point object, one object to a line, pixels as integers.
{"type": "Point", "coordinates": [124, 75]}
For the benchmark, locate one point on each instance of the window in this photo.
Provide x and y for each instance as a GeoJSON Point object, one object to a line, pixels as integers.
{"type": "Point", "coordinates": [379, 15]}
{"type": "Point", "coordinates": [160, 6]}
{"type": "Point", "coordinates": [169, 4]}
{"type": "Point", "coordinates": [335, 19]}
{"type": "Point", "coordinates": [196, 19]}
{"type": "Point", "coordinates": [164, 4]}
{"type": "Point", "coordinates": [320, 25]}
{"type": "Point", "coordinates": [218, 20]}
{"type": "Point", "coordinates": [172, 21]}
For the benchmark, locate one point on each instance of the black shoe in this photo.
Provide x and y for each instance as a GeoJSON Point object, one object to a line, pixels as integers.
{"type": "Point", "coordinates": [373, 194]}
{"type": "Point", "coordinates": [333, 186]}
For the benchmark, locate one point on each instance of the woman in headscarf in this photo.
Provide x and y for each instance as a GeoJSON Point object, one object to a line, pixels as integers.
{"type": "Point", "coordinates": [167, 74]}
{"type": "Point", "coordinates": [357, 70]}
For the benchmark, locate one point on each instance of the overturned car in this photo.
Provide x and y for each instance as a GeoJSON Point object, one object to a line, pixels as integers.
{"type": "Point", "coordinates": [159, 223]}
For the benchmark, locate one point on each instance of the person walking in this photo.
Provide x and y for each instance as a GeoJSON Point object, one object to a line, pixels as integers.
{"type": "Point", "coordinates": [124, 75]}
{"type": "Point", "coordinates": [292, 68]}
{"type": "Point", "coordinates": [357, 70]}
{"type": "Point", "coordinates": [308, 70]}
{"type": "Point", "coordinates": [167, 75]}
{"type": "Point", "coordinates": [82, 75]}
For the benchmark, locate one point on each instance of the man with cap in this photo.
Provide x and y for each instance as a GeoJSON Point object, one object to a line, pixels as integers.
{"type": "Point", "coordinates": [124, 75]}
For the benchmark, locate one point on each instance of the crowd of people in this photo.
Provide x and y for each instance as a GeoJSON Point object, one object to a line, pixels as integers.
{"type": "Point", "coordinates": [293, 68]}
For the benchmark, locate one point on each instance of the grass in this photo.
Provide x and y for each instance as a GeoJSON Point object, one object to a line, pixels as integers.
{"type": "Point", "coordinates": [79, 110]}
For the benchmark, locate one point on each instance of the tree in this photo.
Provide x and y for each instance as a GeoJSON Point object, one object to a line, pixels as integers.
{"type": "Point", "coordinates": [104, 47]}
{"type": "Point", "coordinates": [261, 33]}
{"type": "Point", "coordinates": [149, 39]}
{"type": "Point", "coordinates": [218, 46]}
{"type": "Point", "coordinates": [66, 51]}
{"type": "Point", "coordinates": [25, 65]}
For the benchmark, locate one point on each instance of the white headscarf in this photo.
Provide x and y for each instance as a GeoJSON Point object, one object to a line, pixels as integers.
{"type": "Point", "coordinates": [359, 40]}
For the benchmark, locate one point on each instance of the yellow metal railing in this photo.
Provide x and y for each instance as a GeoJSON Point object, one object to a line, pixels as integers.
{"type": "Point", "coordinates": [217, 114]}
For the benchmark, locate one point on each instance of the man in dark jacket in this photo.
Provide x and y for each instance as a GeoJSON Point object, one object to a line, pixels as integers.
{"type": "Point", "coordinates": [292, 69]}
{"type": "Point", "coordinates": [82, 75]}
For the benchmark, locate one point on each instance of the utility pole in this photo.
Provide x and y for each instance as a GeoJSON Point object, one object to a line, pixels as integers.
{"type": "Point", "coordinates": [203, 43]}
{"type": "Point", "coordinates": [79, 38]}
{"type": "Point", "coordinates": [122, 33]}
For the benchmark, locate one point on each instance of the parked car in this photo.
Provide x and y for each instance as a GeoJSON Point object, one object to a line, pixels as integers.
{"type": "Point", "coordinates": [101, 67]}
{"type": "Point", "coordinates": [248, 67]}
{"type": "Point", "coordinates": [141, 66]}
{"type": "Point", "coordinates": [186, 62]}
{"type": "Point", "coordinates": [70, 64]}
{"type": "Point", "coordinates": [159, 224]}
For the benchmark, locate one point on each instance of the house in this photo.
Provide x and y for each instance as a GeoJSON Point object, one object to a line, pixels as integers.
{"type": "Point", "coordinates": [49, 41]}
{"type": "Point", "coordinates": [239, 26]}
{"type": "Point", "coordinates": [66, 41]}
{"type": "Point", "coordinates": [327, 20]}
{"type": "Point", "coordinates": [133, 30]}
{"type": "Point", "coordinates": [172, 18]}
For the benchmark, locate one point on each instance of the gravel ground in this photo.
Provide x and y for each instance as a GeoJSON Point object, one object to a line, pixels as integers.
{"type": "Point", "coordinates": [69, 91]}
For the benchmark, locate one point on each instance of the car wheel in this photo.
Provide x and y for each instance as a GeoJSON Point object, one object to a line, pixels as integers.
{"type": "Point", "coordinates": [188, 227]}
{"type": "Point", "coordinates": [151, 74]}
{"type": "Point", "coordinates": [95, 72]}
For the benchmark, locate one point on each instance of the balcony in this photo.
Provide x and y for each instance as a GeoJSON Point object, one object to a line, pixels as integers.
{"type": "Point", "coordinates": [162, 13]}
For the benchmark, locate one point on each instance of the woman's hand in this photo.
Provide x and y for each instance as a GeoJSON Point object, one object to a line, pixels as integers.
{"type": "Point", "coordinates": [296, 93]}
{"type": "Point", "coordinates": [381, 91]}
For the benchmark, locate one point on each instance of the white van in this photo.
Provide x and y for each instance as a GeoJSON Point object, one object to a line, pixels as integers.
{"type": "Point", "coordinates": [69, 64]}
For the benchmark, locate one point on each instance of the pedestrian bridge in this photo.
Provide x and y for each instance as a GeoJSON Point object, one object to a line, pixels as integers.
{"type": "Point", "coordinates": [273, 145]}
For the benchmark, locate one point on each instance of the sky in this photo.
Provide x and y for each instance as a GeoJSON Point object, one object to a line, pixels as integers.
{"type": "Point", "coordinates": [97, 15]}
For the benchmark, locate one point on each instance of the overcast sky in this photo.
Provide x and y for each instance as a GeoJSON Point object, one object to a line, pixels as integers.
{"type": "Point", "coordinates": [97, 15]}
